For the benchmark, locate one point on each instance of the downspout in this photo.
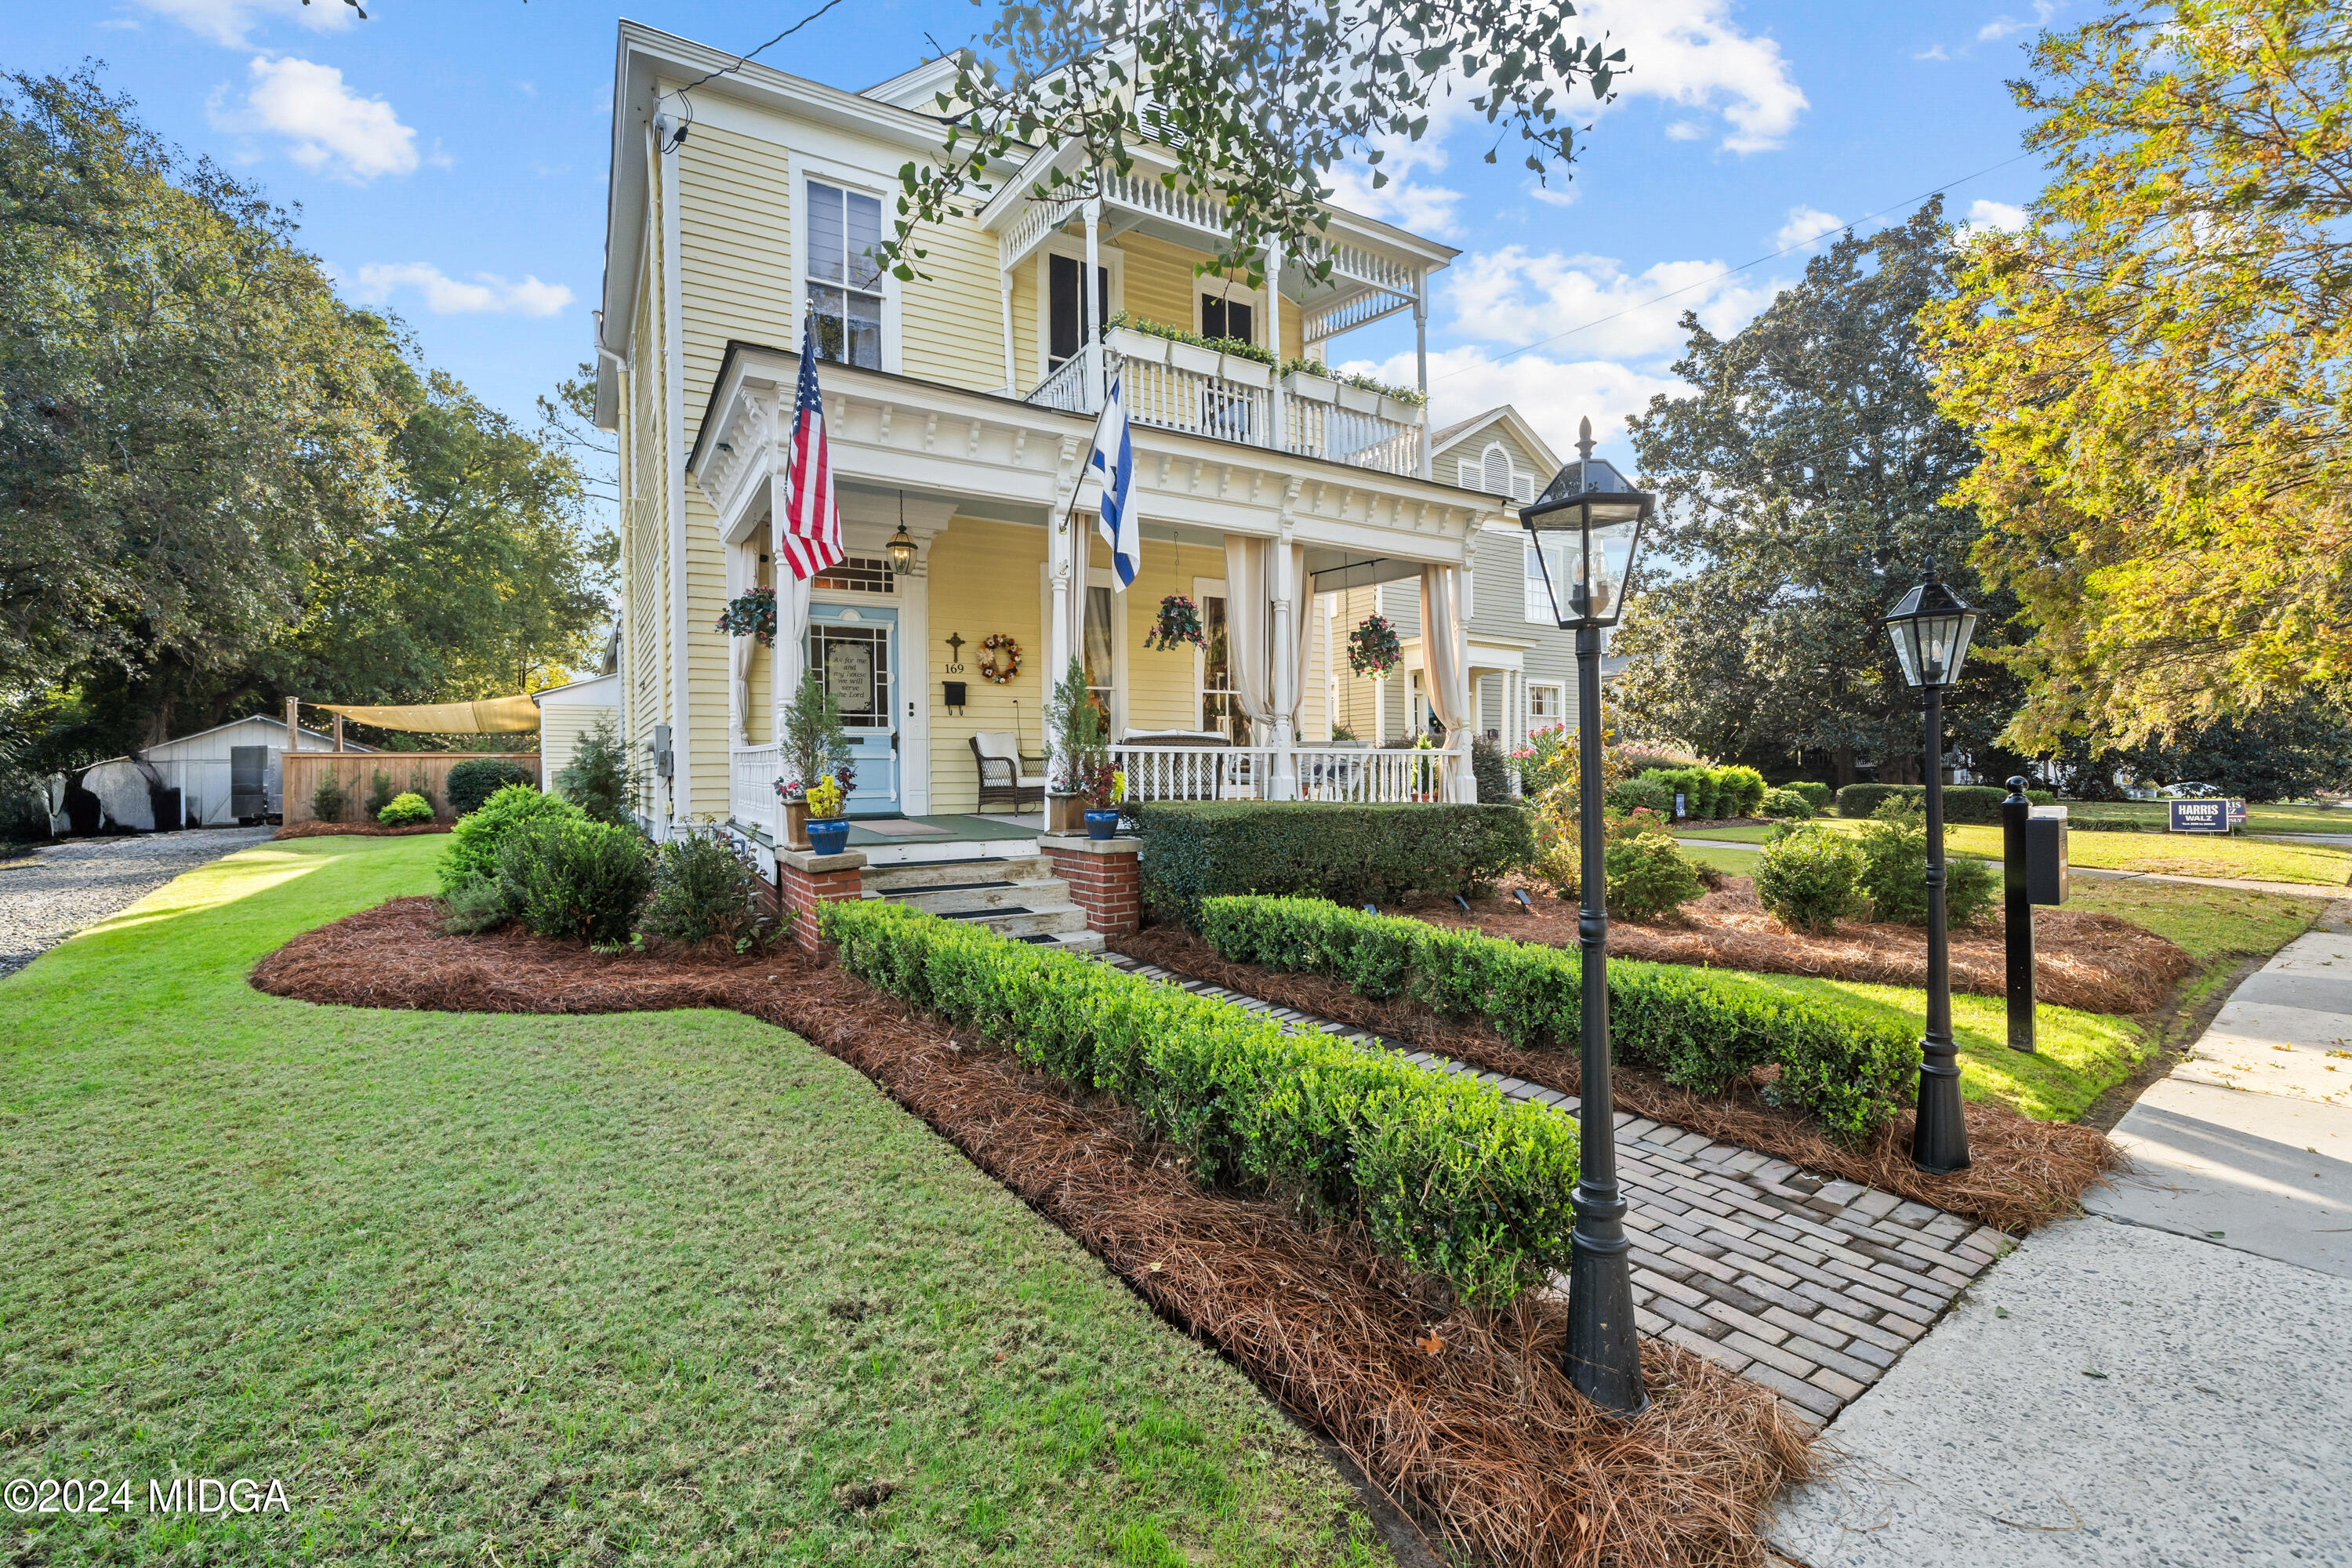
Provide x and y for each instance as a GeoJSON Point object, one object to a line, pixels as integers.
{"type": "Point", "coordinates": [682, 784]}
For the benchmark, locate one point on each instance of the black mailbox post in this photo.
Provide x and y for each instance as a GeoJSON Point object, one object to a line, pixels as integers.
{"type": "Point", "coordinates": [2032, 871]}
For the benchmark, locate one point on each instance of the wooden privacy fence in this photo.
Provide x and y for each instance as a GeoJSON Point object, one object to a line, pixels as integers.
{"type": "Point", "coordinates": [426, 773]}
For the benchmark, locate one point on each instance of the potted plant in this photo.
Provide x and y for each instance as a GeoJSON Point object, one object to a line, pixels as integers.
{"type": "Point", "coordinates": [1245, 370]}
{"type": "Point", "coordinates": [1373, 648]}
{"type": "Point", "coordinates": [1129, 342]}
{"type": "Point", "coordinates": [815, 747]}
{"type": "Point", "coordinates": [1179, 625]}
{"type": "Point", "coordinates": [1108, 789]}
{"type": "Point", "coordinates": [1310, 379]}
{"type": "Point", "coordinates": [1402, 410]}
{"type": "Point", "coordinates": [751, 613]}
{"type": "Point", "coordinates": [1359, 399]}
{"type": "Point", "coordinates": [1198, 358]}
{"type": "Point", "coordinates": [828, 830]}
{"type": "Point", "coordinates": [1079, 752]}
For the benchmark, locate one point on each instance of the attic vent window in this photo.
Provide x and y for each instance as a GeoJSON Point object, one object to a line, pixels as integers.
{"type": "Point", "coordinates": [857, 575]}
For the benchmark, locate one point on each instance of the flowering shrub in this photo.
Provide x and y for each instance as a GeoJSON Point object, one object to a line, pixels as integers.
{"type": "Point", "coordinates": [1373, 648]}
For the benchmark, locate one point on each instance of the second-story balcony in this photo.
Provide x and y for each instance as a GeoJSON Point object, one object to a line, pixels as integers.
{"type": "Point", "coordinates": [1185, 387]}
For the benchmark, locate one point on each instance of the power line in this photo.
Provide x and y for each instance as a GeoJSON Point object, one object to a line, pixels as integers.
{"type": "Point", "coordinates": [686, 104]}
{"type": "Point", "coordinates": [1733, 271]}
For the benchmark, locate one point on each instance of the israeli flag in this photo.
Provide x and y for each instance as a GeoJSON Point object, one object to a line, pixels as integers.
{"type": "Point", "coordinates": [1114, 464]}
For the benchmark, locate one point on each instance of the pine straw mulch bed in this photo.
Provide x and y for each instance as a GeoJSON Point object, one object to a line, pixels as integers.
{"type": "Point", "coordinates": [2023, 1172]}
{"type": "Point", "coordinates": [2095, 962]}
{"type": "Point", "coordinates": [356, 830]}
{"type": "Point", "coordinates": [1484, 1440]}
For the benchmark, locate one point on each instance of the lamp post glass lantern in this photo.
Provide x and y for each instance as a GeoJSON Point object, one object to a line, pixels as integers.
{"type": "Point", "coordinates": [1931, 626]}
{"type": "Point", "coordinates": [1585, 530]}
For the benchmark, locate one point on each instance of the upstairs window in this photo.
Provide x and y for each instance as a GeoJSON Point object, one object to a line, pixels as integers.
{"type": "Point", "coordinates": [845, 280]}
{"type": "Point", "coordinates": [1224, 318]}
{"type": "Point", "coordinates": [1065, 325]}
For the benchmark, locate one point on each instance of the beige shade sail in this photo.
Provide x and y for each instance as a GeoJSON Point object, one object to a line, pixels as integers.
{"type": "Point", "coordinates": [491, 715]}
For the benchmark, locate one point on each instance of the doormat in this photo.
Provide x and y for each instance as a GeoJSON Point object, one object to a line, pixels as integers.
{"type": "Point", "coordinates": [903, 827]}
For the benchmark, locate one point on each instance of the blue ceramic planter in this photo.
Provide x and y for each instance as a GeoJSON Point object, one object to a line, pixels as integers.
{"type": "Point", "coordinates": [828, 836]}
{"type": "Point", "coordinates": [1102, 824]}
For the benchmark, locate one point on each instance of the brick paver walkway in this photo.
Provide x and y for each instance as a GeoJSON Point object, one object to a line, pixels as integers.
{"type": "Point", "coordinates": [1804, 1284]}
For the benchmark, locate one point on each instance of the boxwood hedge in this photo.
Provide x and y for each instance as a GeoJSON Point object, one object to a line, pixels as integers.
{"type": "Point", "coordinates": [1357, 854]}
{"type": "Point", "coordinates": [1976, 803]}
{"type": "Point", "coordinates": [1701, 1028]}
{"type": "Point", "coordinates": [1443, 1173]}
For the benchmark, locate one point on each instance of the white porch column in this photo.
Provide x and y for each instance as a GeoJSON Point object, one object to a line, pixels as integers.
{"type": "Point", "coordinates": [1091, 305]}
{"type": "Point", "coordinates": [1061, 554]}
{"type": "Point", "coordinates": [1005, 281]}
{"type": "Point", "coordinates": [1286, 649]}
{"type": "Point", "coordinates": [1421, 361]}
{"type": "Point", "coordinates": [1278, 435]}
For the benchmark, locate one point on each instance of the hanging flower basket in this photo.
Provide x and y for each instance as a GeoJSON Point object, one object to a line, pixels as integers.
{"type": "Point", "coordinates": [1179, 623]}
{"type": "Point", "coordinates": [1373, 648]}
{"type": "Point", "coordinates": [751, 615]}
{"type": "Point", "coordinates": [1000, 659]}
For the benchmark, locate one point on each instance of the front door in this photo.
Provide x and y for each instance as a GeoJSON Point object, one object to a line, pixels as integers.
{"type": "Point", "coordinates": [854, 649]}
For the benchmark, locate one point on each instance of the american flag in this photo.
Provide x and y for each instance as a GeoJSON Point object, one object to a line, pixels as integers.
{"type": "Point", "coordinates": [812, 537]}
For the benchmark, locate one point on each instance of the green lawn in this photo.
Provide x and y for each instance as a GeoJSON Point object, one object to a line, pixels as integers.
{"type": "Point", "coordinates": [2179, 853]}
{"type": "Point", "coordinates": [654, 1287]}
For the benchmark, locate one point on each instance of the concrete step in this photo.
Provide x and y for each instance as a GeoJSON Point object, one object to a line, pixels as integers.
{"type": "Point", "coordinates": [959, 898]}
{"type": "Point", "coordinates": [1022, 923]}
{"type": "Point", "coordinates": [891, 880]}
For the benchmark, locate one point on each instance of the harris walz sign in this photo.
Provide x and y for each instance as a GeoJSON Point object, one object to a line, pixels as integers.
{"type": "Point", "coordinates": [2206, 816]}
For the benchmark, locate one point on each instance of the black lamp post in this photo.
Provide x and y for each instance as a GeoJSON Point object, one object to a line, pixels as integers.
{"type": "Point", "coordinates": [1931, 626]}
{"type": "Point", "coordinates": [1585, 528]}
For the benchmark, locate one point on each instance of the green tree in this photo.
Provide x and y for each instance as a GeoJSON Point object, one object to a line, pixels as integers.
{"type": "Point", "coordinates": [2159, 369]}
{"type": "Point", "coordinates": [188, 416]}
{"type": "Point", "coordinates": [1799, 487]}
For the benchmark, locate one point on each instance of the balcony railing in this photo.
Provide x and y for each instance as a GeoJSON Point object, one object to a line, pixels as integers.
{"type": "Point", "coordinates": [1164, 391]}
{"type": "Point", "coordinates": [1246, 773]}
{"type": "Point", "coordinates": [752, 790]}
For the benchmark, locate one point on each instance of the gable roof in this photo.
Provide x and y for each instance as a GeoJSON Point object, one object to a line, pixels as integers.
{"type": "Point", "coordinates": [1461, 432]}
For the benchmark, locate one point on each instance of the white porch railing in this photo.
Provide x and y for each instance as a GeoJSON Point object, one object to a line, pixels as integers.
{"type": "Point", "coordinates": [1170, 397]}
{"type": "Point", "coordinates": [1246, 773]}
{"type": "Point", "coordinates": [751, 789]}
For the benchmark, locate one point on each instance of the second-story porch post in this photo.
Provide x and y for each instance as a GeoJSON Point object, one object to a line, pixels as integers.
{"type": "Point", "coordinates": [1288, 646]}
{"type": "Point", "coordinates": [1005, 281]}
{"type": "Point", "coordinates": [1090, 305]}
{"type": "Point", "coordinates": [1421, 360]}
{"type": "Point", "coordinates": [1279, 436]}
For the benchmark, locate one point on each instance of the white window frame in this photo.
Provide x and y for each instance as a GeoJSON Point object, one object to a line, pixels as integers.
{"type": "Point", "coordinates": [1113, 260]}
{"type": "Point", "coordinates": [1204, 589]}
{"type": "Point", "coordinates": [1559, 691]}
{"type": "Point", "coordinates": [864, 183]}
{"type": "Point", "coordinates": [1235, 292]}
{"type": "Point", "coordinates": [1535, 604]}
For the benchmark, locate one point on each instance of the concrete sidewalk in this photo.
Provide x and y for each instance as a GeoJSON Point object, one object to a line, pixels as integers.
{"type": "Point", "coordinates": [2163, 1380]}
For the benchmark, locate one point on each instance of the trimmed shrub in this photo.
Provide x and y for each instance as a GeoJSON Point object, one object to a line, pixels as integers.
{"type": "Point", "coordinates": [1895, 871]}
{"type": "Point", "coordinates": [1786, 804]}
{"type": "Point", "coordinates": [1975, 805]}
{"type": "Point", "coordinates": [1820, 796]}
{"type": "Point", "coordinates": [476, 905]}
{"type": "Point", "coordinates": [477, 779]}
{"type": "Point", "coordinates": [1703, 1029]}
{"type": "Point", "coordinates": [1649, 875]}
{"type": "Point", "coordinates": [328, 798]}
{"type": "Point", "coordinates": [405, 811]}
{"type": "Point", "coordinates": [599, 779]}
{"type": "Point", "coordinates": [1738, 790]}
{"type": "Point", "coordinates": [1443, 1172]}
{"type": "Point", "coordinates": [1493, 773]}
{"type": "Point", "coordinates": [570, 877]}
{"type": "Point", "coordinates": [703, 892]}
{"type": "Point", "coordinates": [1642, 795]}
{"type": "Point", "coordinates": [1358, 854]}
{"type": "Point", "coordinates": [1809, 879]}
{"type": "Point", "coordinates": [474, 843]}
{"type": "Point", "coordinates": [2080, 824]}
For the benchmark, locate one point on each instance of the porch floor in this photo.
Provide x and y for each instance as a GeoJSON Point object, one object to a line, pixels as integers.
{"type": "Point", "coordinates": [962, 828]}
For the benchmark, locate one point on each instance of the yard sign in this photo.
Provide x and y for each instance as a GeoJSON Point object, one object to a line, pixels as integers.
{"type": "Point", "coordinates": [2206, 815]}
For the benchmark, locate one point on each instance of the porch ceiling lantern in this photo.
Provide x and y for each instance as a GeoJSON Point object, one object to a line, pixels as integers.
{"type": "Point", "coordinates": [1931, 626]}
{"type": "Point", "coordinates": [900, 547]}
{"type": "Point", "coordinates": [1587, 526]}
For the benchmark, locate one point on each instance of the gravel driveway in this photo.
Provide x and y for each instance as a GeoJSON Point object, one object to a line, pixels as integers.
{"type": "Point", "coordinates": [55, 891]}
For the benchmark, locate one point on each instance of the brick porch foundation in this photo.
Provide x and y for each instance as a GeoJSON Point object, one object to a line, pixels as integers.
{"type": "Point", "coordinates": [1105, 876]}
{"type": "Point", "coordinates": [807, 881]}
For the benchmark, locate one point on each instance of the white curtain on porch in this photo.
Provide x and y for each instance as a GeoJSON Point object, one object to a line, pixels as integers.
{"type": "Point", "coordinates": [1446, 675]}
{"type": "Point", "coordinates": [1249, 630]}
{"type": "Point", "coordinates": [742, 575]}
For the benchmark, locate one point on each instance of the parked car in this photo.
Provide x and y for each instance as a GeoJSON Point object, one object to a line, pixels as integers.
{"type": "Point", "coordinates": [2189, 789]}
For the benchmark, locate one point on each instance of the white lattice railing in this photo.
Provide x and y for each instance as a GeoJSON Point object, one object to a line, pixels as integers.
{"type": "Point", "coordinates": [751, 789]}
{"type": "Point", "coordinates": [1246, 773]}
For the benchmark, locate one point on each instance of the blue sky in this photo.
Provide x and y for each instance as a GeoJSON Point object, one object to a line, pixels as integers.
{"type": "Point", "coordinates": [449, 157]}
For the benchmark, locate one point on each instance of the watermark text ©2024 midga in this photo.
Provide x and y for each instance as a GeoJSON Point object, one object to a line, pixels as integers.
{"type": "Point", "coordinates": [180, 1495]}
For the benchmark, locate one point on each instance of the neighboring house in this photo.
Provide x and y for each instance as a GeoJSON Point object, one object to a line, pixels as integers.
{"type": "Point", "coordinates": [568, 713]}
{"type": "Point", "coordinates": [1522, 665]}
{"type": "Point", "coordinates": [229, 773]}
{"type": "Point", "coordinates": [959, 407]}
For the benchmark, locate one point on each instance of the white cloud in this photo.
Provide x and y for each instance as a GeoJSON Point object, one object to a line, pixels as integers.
{"type": "Point", "coordinates": [1934, 52]}
{"type": "Point", "coordinates": [2001, 27]}
{"type": "Point", "coordinates": [1986, 216]}
{"type": "Point", "coordinates": [231, 22]}
{"type": "Point", "coordinates": [445, 296]}
{"type": "Point", "coordinates": [1553, 394]}
{"type": "Point", "coordinates": [328, 128]}
{"type": "Point", "coordinates": [1513, 295]}
{"type": "Point", "coordinates": [1806, 223]}
{"type": "Point", "coordinates": [1690, 53]}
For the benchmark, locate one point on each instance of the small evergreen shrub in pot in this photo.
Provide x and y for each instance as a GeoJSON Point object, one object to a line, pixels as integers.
{"type": "Point", "coordinates": [405, 811]}
{"type": "Point", "coordinates": [1894, 870]}
{"type": "Point", "coordinates": [1786, 804]}
{"type": "Point", "coordinates": [477, 779]}
{"type": "Point", "coordinates": [1809, 877]}
{"type": "Point", "coordinates": [474, 843]}
{"type": "Point", "coordinates": [576, 879]}
{"type": "Point", "coordinates": [704, 892]}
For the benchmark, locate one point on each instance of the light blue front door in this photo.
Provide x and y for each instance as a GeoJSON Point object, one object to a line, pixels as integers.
{"type": "Point", "coordinates": [853, 648]}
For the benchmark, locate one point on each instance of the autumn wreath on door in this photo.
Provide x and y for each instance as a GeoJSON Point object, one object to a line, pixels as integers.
{"type": "Point", "coordinates": [1000, 659]}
